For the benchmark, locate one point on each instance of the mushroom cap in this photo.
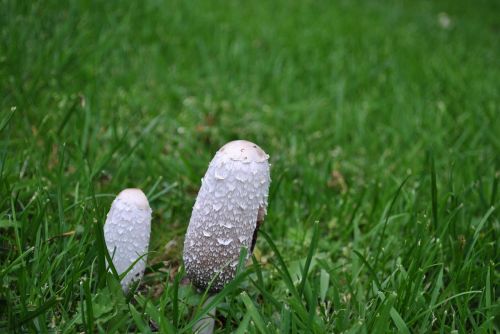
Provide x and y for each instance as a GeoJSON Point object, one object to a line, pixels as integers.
{"type": "Point", "coordinates": [135, 197]}
{"type": "Point", "coordinates": [243, 150]}
{"type": "Point", "coordinates": [233, 192]}
{"type": "Point", "coordinates": [126, 232]}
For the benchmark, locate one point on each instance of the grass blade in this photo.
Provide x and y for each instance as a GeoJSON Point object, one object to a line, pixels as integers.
{"type": "Point", "coordinates": [399, 322]}
{"type": "Point", "coordinates": [139, 322]}
{"type": "Point", "coordinates": [47, 305]}
{"type": "Point", "coordinates": [5, 121]}
{"type": "Point", "coordinates": [324, 283]}
{"type": "Point", "coordinates": [243, 327]}
{"type": "Point", "coordinates": [252, 310]}
{"type": "Point", "coordinates": [285, 320]}
{"type": "Point", "coordinates": [229, 288]}
{"type": "Point", "coordinates": [388, 215]}
{"type": "Point", "coordinates": [433, 192]}
{"type": "Point", "coordinates": [312, 249]}
{"type": "Point", "coordinates": [283, 268]}
{"type": "Point", "coordinates": [477, 231]}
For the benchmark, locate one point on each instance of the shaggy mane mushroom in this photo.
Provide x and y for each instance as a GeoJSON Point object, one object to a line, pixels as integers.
{"type": "Point", "coordinates": [126, 232]}
{"type": "Point", "coordinates": [229, 208]}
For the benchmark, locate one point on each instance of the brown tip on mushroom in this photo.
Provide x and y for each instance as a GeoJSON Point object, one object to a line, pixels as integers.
{"type": "Point", "coordinates": [243, 150]}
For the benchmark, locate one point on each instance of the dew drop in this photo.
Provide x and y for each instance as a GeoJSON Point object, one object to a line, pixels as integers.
{"type": "Point", "coordinates": [206, 233]}
{"type": "Point", "coordinates": [227, 224]}
{"type": "Point", "coordinates": [223, 241]}
{"type": "Point", "coordinates": [219, 176]}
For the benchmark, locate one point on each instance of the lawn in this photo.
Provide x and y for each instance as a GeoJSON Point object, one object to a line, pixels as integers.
{"type": "Point", "coordinates": [381, 120]}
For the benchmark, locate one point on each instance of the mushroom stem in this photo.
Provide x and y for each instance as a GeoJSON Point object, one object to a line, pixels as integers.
{"type": "Point", "coordinates": [207, 323]}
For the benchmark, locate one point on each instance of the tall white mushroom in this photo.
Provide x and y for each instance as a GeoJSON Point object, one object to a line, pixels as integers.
{"type": "Point", "coordinates": [231, 204]}
{"type": "Point", "coordinates": [126, 232]}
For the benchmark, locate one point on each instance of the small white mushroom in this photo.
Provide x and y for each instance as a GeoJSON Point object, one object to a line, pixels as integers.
{"type": "Point", "coordinates": [230, 205]}
{"type": "Point", "coordinates": [127, 230]}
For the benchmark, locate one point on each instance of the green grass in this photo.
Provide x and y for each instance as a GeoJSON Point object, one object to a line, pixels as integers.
{"type": "Point", "coordinates": [382, 126]}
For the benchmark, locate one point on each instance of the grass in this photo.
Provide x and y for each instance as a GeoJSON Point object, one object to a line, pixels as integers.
{"type": "Point", "coordinates": [381, 119]}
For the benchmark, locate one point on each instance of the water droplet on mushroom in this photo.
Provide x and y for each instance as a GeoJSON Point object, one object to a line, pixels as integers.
{"type": "Point", "coordinates": [227, 224]}
{"type": "Point", "coordinates": [218, 176]}
{"type": "Point", "coordinates": [224, 242]}
{"type": "Point", "coordinates": [206, 233]}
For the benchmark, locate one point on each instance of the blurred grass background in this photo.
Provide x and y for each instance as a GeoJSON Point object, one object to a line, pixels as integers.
{"type": "Point", "coordinates": [349, 98]}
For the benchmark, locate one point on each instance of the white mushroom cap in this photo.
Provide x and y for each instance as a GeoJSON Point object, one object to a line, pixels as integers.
{"type": "Point", "coordinates": [232, 197]}
{"type": "Point", "coordinates": [127, 231]}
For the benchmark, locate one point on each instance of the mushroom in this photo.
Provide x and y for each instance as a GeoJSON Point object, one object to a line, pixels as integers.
{"type": "Point", "coordinates": [230, 206]}
{"type": "Point", "coordinates": [126, 232]}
